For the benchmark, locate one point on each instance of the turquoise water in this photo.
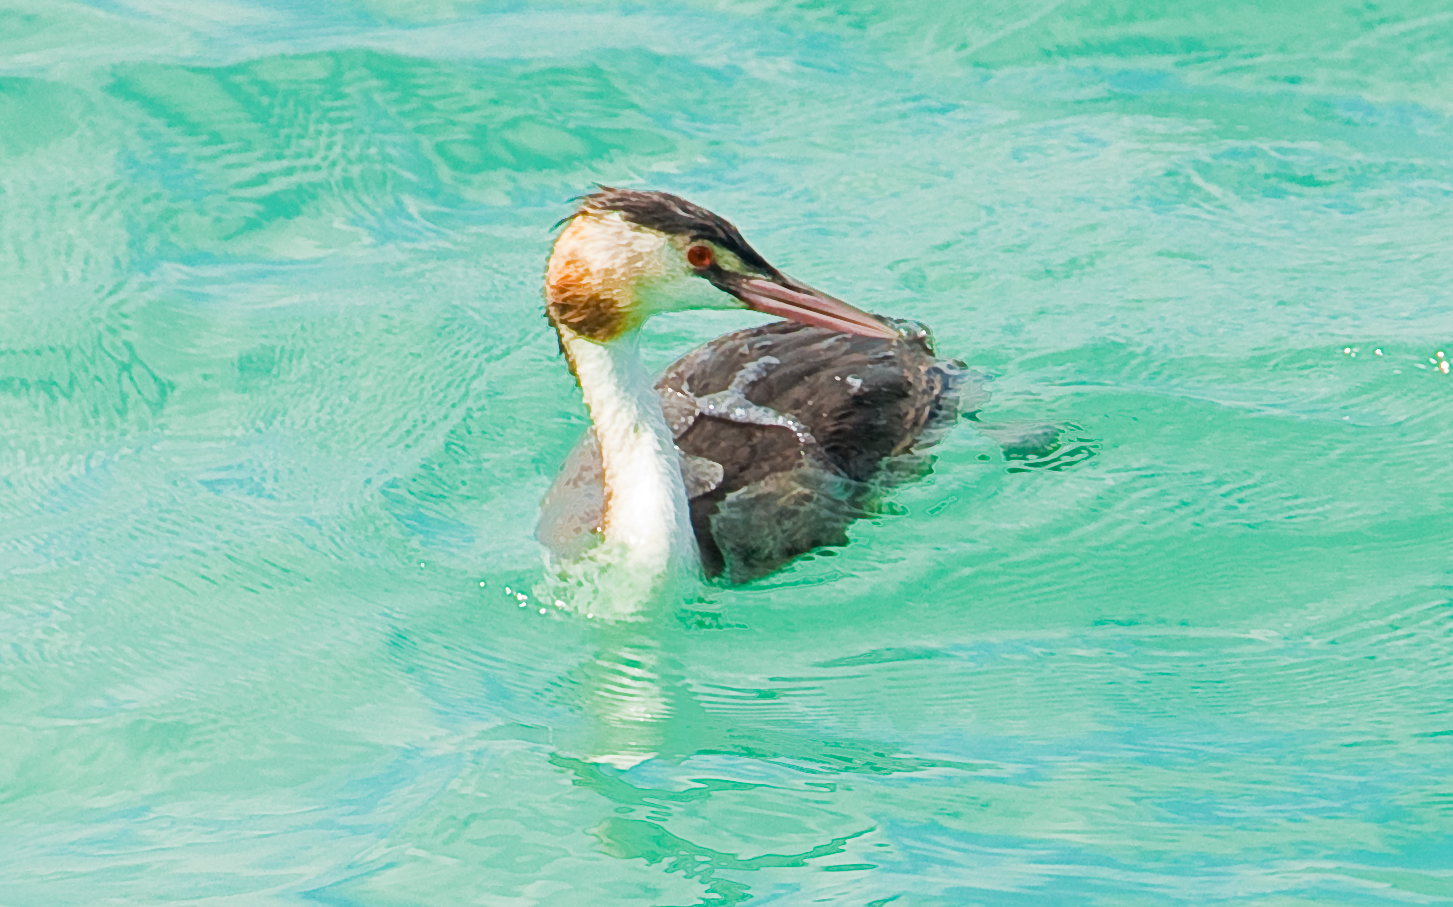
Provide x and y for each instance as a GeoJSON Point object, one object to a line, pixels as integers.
{"type": "Point", "coordinates": [277, 404]}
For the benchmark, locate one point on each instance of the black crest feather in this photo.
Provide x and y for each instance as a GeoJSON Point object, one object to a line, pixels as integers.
{"type": "Point", "coordinates": [676, 216]}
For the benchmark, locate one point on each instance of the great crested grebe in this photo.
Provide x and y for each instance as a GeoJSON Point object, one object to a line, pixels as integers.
{"type": "Point", "coordinates": [751, 449]}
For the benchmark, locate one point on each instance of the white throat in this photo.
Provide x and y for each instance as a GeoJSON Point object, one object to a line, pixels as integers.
{"type": "Point", "coordinates": [647, 523]}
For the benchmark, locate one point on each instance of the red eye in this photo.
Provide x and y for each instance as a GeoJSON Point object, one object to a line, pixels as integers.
{"type": "Point", "coordinates": [699, 256]}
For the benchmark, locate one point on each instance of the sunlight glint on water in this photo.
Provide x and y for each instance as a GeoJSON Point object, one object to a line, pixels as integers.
{"type": "Point", "coordinates": [277, 404]}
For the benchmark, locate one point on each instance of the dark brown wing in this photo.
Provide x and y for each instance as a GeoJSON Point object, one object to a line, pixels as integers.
{"type": "Point", "coordinates": [801, 420]}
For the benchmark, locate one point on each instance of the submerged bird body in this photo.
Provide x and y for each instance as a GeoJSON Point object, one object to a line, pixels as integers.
{"type": "Point", "coordinates": [786, 434]}
{"type": "Point", "coordinates": [753, 448]}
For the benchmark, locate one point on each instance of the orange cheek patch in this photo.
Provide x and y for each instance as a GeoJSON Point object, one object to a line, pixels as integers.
{"type": "Point", "coordinates": [578, 300]}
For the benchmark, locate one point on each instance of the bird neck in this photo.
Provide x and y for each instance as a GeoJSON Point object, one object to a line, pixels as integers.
{"type": "Point", "coordinates": [646, 513]}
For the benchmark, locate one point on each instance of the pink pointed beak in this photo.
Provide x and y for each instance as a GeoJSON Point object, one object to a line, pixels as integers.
{"type": "Point", "coordinates": [808, 306]}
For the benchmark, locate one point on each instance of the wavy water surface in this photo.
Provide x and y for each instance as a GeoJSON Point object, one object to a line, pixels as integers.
{"type": "Point", "coordinates": [277, 405]}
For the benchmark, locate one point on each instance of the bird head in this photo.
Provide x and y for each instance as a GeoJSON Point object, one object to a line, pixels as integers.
{"type": "Point", "coordinates": [626, 255]}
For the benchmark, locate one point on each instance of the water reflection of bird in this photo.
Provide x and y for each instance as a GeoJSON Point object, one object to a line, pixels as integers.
{"type": "Point", "coordinates": [752, 449]}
